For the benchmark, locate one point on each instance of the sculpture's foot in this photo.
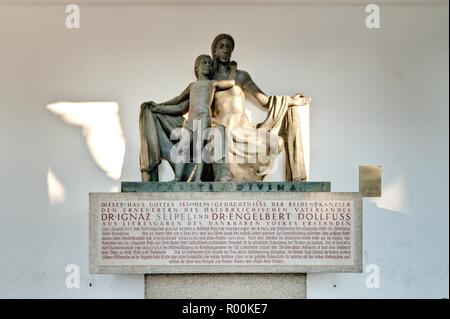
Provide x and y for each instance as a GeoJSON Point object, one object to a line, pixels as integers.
{"type": "Point", "coordinates": [154, 175]}
{"type": "Point", "coordinates": [150, 176]}
{"type": "Point", "coordinates": [145, 176]}
{"type": "Point", "coordinates": [225, 179]}
{"type": "Point", "coordinates": [221, 172]}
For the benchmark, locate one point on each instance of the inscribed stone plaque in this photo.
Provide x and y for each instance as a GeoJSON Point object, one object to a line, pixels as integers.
{"type": "Point", "coordinates": [225, 232]}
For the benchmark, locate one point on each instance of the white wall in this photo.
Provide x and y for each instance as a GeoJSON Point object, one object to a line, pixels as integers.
{"type": "Point", "coordinates": [380, 97]}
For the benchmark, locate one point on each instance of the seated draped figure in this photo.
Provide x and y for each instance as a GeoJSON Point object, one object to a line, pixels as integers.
{"type": "Point", "coordinates": [236, 149]}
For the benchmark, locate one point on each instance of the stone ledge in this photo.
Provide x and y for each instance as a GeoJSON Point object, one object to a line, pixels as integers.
{"type": "Point", "coordinates": [128, 187]}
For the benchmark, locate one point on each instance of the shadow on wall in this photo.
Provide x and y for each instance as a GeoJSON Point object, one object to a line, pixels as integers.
{"type": "Point", "coordinates": [103, 134]}
{"type": "Point", "coordinates": [395, 196]}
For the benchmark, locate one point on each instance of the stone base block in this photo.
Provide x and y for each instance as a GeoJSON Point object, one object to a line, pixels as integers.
{"type": "Point", "coordinates": [226, 286]}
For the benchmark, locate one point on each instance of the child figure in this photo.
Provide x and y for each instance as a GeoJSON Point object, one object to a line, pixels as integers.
{"type": "Point", "coordinates": [201, 95]}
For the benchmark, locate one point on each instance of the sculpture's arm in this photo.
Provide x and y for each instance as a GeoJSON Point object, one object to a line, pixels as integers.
{"type": "Point", "coordinates": [252, 89]}
{"type": "Point", "coordinates": [175, 109]}
{"type": "Point", "coordinates": [180, 98]}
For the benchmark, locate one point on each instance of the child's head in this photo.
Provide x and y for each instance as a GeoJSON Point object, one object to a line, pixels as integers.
{"type": "Point", "coordinates": [203, 66]}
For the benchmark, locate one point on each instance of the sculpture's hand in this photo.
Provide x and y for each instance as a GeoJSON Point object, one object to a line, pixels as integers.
{"type": "Point", "coordinates": [144, 106]}
{"type": "Point", "coordinates": [154, 107]}
{"type": "Point", "coordinates": [299, 99]}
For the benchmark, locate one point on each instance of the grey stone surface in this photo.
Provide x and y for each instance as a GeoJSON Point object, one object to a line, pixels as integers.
{"type": "Point", "coordinates": [231, 285]}
{"type": "Point", "coordinates": [226, 286]}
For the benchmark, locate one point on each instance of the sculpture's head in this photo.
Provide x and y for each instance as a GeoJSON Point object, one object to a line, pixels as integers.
{"type": "Point", "coordinates": [203, 66]}
{"type": "Point", "coordinates": [222, 47]}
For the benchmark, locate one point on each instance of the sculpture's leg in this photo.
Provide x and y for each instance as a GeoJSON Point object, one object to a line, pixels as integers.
{"type": "Point", "coordinates": [221, 167]}
{"type": "Point", "coordinates": [151, 176]}
{"type": "Point", "coordinates": [154, 175]}
{"type": "Point", "coordinates": [145, 176]}
{"type": "Point", "coordinates": [200, 137]}
{"type": "Point", "coordinates": [199, 171]}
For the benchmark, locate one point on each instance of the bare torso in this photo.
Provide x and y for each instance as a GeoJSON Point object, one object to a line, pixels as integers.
{"type": "Point", "coordinates": [229, 105]}
{"type": "Point", "coordinates": [200, 99]}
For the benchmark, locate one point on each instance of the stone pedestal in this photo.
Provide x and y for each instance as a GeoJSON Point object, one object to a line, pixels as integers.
{"type": "Point", "coordinates": [225, 286]}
